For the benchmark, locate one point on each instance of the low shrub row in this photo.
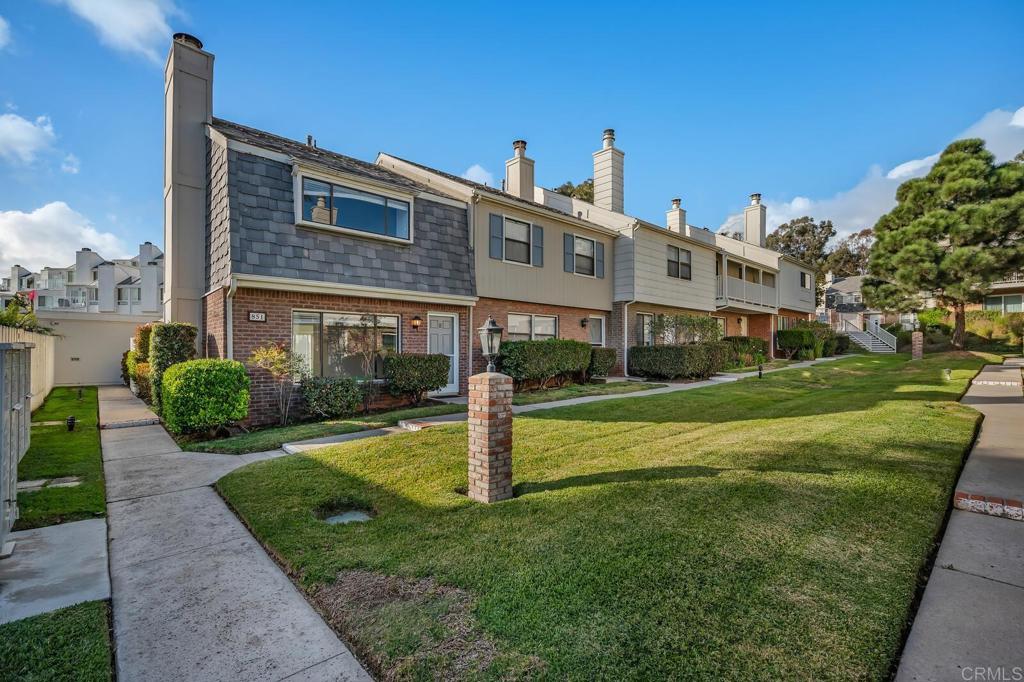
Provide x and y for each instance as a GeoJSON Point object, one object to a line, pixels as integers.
{"type": "Point", "coordinates": [602, 361]}
{"type": "Point", "coordinates": [746, 351]}
{"type": "Point", "coordinates": [169, 344]}
{"type": "Point", "coordinates": [540, 363]}
{"type": "Point", "coordinates": [685, 361]}
{"type": "Point", "coordinates": [412, 376]}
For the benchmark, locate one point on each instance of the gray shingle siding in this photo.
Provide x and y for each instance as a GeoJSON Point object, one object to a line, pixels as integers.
{"type": "Point", "coordinates": [264, 239]}
{"type": "Point", "coordinates": [218, 221]}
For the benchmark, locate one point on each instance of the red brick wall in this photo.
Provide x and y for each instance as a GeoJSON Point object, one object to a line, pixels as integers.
{"type": "Point", "coordinates": [213, 343]}
{"type": "Point", "coordinates": [568, 321]}
{"type": "Point", "coordinates": [278, 305]}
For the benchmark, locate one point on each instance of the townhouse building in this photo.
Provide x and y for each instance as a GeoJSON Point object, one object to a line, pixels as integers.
{"type": "Point", "coordinates": [270, 239]}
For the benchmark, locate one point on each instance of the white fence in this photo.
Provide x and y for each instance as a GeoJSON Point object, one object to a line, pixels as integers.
{"type": "Point", "coordinates": [43, 360]}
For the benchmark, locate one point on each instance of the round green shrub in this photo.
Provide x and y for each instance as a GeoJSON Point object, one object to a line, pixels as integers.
{"type": "Point", "coordinates": [142, 336]}
{"type": "Point", "coordinates": [540, 362]}
{"type": "Point", "coordinates": [331, 396]}
{"type": "Point", "coordinates": [411, 375]}
{"type": "Point", "coordinates": [602, 361]}
{"type": "Point", "coordinates": [202, 395]}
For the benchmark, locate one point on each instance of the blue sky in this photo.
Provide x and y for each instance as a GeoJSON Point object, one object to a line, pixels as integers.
{"type": "Point", "coordinates": [816, 105]}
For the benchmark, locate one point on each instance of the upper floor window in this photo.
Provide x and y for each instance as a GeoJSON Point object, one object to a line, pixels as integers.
{"type": "Point", "coordinates": [94, 294]}
{"type": "Point", "coordinates": [805, 280]}
{"type": "Point", "coordinates": [353, 209]}
{"type": "Point", "coordinates": [678, 262]}
{"type": "Point", "coordinates": [523, 327]}
{"type": "Point", "coordinates": [517, 241]}
{"type": "Point", "coordinates": [584, 251]}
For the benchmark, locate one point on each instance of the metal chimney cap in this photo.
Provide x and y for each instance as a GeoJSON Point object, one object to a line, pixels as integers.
{"type": "Point", "coordinates": [519, 144]}
{"type": "Point", "coordinates": [755, 198]}
{"type": "Point", "coordinates": [189, 39]}
{"type": "Point", "coordinates": [676, 202]}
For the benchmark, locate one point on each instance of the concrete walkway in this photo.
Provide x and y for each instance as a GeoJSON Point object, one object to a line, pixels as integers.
{"type": "Point", "coordinates": [971, 617]}
{"type": "Point", "coordinates": [195, 597]}
{"type": "Point", "coordinates": [672, 387]}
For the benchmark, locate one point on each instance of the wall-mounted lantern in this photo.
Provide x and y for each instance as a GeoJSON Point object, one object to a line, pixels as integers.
{"type": "Point", "coordinates": [584, 322]}
{"type": "Point", "coordinates": [416, 322]}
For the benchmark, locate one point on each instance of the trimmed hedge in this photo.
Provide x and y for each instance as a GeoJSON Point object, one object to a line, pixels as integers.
{"type": "Point", "coordinates": [411, 375]}
{"type": "Point", "coordinates": [842, 343]}
{"type": "Point", "coordinates": [124, 368]}
{"type": "Point", "coordinates": [687, 361]}
{"type": "Point", "coordinates": [540, 362]}
{"type": "Point", "coordinates": [602, 361]}
{"type": "Point", "coordinates": [143, 382]}
{"type": "Point", "coordinates": [169, 344]}
{"type": "Point", "coordinates": [331, 396]}
{"type": "Point", "coordinates": [795, 341]}
{"type": "Point", "coordinates": [142, 336]}
{"type": "Point", "coordinates": [202, 395]}
{"type": "Point", "coordinates": [746, 351]}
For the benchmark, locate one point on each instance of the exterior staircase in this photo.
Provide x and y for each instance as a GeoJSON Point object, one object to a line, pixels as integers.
{"type": "Point", "coordinates": [871, 338]}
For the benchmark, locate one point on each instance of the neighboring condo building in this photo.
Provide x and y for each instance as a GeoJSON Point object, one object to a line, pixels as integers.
{"type": "Point", "coordinates": [275, 240]}
{"type": "Point", "coordinates": [93, 284]}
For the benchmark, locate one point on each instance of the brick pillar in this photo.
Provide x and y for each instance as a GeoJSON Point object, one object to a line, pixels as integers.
{"type": "Point", "coordinates": [916, 346]}
{"type": "Point", "coordinates": [490, 437]}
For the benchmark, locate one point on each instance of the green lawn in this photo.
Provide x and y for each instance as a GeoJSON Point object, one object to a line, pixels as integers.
{"type": "Point", "coordinates": [762, 529]}
{"type": "Point", "coordinates": [55, 453]}
{"type": "Point", "coordinates": [273, 437]}
{"type": "Point", "coordinates": [770, 364]}
{"type": "Point", "coordinates": [68, 645]}
{"type": "Point", "coordinates": [580, 391]}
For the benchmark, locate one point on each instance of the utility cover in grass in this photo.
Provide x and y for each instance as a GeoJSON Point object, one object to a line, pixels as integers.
{"type": "Point", "coordinates": [353, 516]}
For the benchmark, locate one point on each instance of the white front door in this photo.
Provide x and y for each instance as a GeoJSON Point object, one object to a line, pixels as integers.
{"type": "Point", "coordinates": [443, 338]}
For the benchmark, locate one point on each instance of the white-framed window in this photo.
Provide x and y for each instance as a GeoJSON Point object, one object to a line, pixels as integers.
{"type": "Point", "coordinates": [805, 280]}
{"type": "Point", "coordinates": [351, 209]}
{"type": "Point", "coordinates": [678, 262]}
{"type": "Point", "coordinates": [41, 302]}
{"type": "Point", "coordinates": [782, 322]}
{"type": "Point", "coordinates": [122, 295]}
{"type": "Point", "coordinates": [645, 329]}
{"type": "Point", "coordinates": [1004, 304]}
{"type": "Point", "coordinates": [343, 344]}
{"type": "Point", "coordinates": [526, 327]}
{"type": "Point", "coordinates": [595, 328]}
{"type": "Point", "coordinates": [136, 294]}
{"type": "Point", "coordinates": [94, 294]}
{"type": "Point", "coordinates": [584, 256]}
{"type": "Point", "coordinates": [517, 241]}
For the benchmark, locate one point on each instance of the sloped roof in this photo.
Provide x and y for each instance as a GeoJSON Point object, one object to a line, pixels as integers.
{"type": "Point", "coordinates": [847, 285]}
{"type": "Point", "coordinates": [323, 157]}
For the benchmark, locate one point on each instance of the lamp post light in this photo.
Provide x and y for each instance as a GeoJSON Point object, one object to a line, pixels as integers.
{"type": "Point", "coordinates": [490, 340]}
{"type": "Point", "coordinates": [760, 371]}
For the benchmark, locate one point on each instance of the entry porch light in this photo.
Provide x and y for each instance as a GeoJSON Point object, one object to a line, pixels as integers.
{"type": "Point", "coordinates": [490, 340]}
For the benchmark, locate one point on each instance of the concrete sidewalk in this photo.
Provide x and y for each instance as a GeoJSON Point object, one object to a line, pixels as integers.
{"type": "Point", "coordinates": [971, 617]}
{"type": "Point", "coordinates": [195, 597]}
{"type": "Point", "coordinates": [672, 387]}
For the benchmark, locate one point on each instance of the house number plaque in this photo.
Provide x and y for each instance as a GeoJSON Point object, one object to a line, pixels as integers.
{"type": "Point", "coordinates": [257, 317]}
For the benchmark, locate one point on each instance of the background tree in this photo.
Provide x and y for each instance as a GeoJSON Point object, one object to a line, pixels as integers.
{"type": "Point", "coordinates": [583, 191]}
{"type": "Point", "coordinates": [1019, 158]}
{"type": "Point", "coordinates": [952, 233]}
{"type": "Point", "coordinates": [850, 256]}
{"type": "Point", "coordinates": [806, 240]}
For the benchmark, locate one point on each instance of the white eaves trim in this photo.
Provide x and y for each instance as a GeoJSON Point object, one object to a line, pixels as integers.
{"type": "Point", "coordinates": [337, 289]}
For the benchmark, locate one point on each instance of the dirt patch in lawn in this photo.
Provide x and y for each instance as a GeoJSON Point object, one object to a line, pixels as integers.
{"type": "Point", "coordinates": [415, 629]}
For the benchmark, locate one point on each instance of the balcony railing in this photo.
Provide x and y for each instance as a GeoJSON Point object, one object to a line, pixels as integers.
{"type": "Point", "coordinates": [1012, 279]}
{"type": "Point", "coordinates": [741, 291]}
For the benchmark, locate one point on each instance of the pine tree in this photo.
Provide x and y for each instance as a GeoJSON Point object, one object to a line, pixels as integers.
{"type": "Point", "coordinates": [951, 234]}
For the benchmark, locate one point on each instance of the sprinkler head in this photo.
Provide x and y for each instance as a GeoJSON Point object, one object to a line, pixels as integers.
{"type": "Point", "coordinates": [70, 421]}
{"type": "Point", "coordinates": [760, 371]}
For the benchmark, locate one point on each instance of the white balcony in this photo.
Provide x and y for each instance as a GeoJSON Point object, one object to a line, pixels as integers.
{"type": "Point", "coordinates": [733, 290]}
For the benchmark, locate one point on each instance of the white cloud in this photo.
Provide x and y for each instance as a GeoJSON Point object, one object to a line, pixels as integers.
{"type": "Point", "coordinates": [50, 236]}
{"type": "Point", "coordinates": [135, 26]}
{"type": "Point", "coordinates": [5, 33]}
{"type": "Point", "coordinates": [22, 139]}
{"type": "Point", "coordinates": [71, 164]}
{"type": "Point", "coordinates": [478, 173]}
{"type": "Point", "coordinates": [860, 206]}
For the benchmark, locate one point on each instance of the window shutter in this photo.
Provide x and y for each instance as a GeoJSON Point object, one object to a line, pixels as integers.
{"type": "Point", "coordinates": [599, 260]}
{"type": "Point", "coordinates": [570, 252]}
{"type": "Point", "coordinates": [538, 246]}
{"type": "Point", "coordinates": [497, 236]}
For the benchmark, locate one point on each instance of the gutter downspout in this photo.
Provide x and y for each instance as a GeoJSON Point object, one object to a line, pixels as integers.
{"type": "Point", "coordinates": [625, 307]}
{"type": "Point", "coordinates": [229, 327]}
{"type": "Point", "coordinates": [472, 249]}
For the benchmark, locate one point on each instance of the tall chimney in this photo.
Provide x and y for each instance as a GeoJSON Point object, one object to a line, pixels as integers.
{"type": "Point", "coordinates": [608, 178]}
{"type": "Point", "coordinates": [519, 172]}
{"type": "Point", "coordinates": [188, 109]}
{"type": "Point", "coordinates": [675, 217]}
{"type": "Point", "coordinates": [755, 221]}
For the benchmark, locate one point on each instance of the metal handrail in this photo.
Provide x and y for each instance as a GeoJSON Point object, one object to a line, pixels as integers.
{"type": "Point", "coordinates": [875, 329]}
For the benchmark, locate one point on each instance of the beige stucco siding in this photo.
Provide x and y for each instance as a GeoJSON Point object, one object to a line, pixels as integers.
{"type": "Point", "coordinates": [653, 284]}
{"type": "Point", "coordinates": [549, 284]}
{"type": "Point", "coordinates": [88, 350]}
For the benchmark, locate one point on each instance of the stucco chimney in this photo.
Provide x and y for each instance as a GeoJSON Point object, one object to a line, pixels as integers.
{"type": "Point", "coordinates": [519, 172]}
{"type": "Point", "coordinates": [608, 176]}
{"type": "Point", "coordinates": [675, 217]}
{"type": "Point", "coordinates": [755, 221]}
{"type": "Point", "coordinates": [188, 109]}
